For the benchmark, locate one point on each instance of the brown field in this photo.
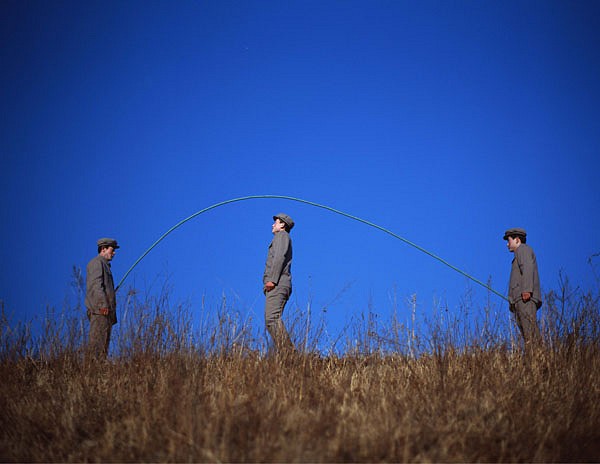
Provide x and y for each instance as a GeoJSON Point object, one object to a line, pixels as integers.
{"type": "Point", "coordinates": [392, 395]}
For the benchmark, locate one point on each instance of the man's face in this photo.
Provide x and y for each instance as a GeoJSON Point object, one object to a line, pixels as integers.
{"type": "Point", "coordinates": [278, 226]}
{"type": "Point", "coordinates": [108, 253]}
{"type": "Point", "coordinates": [513, 243]}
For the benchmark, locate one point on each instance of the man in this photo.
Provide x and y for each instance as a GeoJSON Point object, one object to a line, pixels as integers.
{"type": "Point", "coordinates": [100, 299]}
{"type": "Point", "coordinates": [524, 287]}
{"type": "Point", "coordinates": [277, 281]}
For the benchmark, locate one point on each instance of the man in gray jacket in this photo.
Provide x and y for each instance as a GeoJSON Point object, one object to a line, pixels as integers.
{"type": "Point", "coordinates": [100, 298]}
{"type": "Point", "coordinates": [524, 293]}
{"type": "Point", "coordinates": [277, 281]}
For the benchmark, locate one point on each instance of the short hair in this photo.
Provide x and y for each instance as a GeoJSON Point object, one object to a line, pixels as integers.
{"type": "Point", "coordinates": [523, 238]}
{"type": "Point", "coordinates": [285, 224]}
{"type": "Point", "coordinates": [102, 247]}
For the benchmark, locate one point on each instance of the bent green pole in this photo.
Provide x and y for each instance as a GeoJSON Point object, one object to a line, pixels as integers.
{"type": "Point", "coordinates": [285, 197]}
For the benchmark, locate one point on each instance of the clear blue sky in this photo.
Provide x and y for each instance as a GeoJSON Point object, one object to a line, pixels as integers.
{"type": "Point", "coordinates": [446, 122]}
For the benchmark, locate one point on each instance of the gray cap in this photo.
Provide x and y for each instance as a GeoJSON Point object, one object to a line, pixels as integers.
{"type": "Point", "coordinates": [514, 231]}
{"type": "Point", "coordinates": [285, 218]}
{"type": "Point", "coordinates": [108, 242]}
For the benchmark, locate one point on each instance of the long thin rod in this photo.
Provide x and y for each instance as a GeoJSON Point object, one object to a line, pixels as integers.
{"type": "Point", "coordinates": [328, 208]}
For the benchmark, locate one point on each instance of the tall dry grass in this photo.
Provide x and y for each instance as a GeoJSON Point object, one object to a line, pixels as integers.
{"type": "Point", "coordinates": [438, 390]}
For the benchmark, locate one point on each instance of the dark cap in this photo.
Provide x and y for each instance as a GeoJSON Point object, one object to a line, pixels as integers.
{"type": "Point", "coordinates": [108, 242]}
{"type": "Point", "coordinates": [515, 231]}
{"type": "Point", "coordinates": [285, 218]}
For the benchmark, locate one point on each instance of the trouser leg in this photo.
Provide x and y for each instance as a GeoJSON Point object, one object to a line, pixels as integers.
{"type": "Point", "coordinates": [274, 305]}
{"type": "Point", "coordinates": [526, 316]}
{"type": "Point", "coordinates": [100, 330]}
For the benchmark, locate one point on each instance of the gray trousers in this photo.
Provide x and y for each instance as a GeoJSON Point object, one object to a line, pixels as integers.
{"type": "Point", "coordinates": [526, 317]}
{"type": "Point", "coordinates": [100, 330]}
{"type": "Point", "coordinates": [274, 304]}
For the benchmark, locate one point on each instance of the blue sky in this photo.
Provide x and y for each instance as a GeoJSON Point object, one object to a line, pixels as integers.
{"type": "Point", "coordinates": [446, 122]}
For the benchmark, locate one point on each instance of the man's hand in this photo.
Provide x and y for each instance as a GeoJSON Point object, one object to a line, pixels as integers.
{"type": "Point", "coordinates": [268, 287]}
{"type": "Point", "coordinates": [526, 296]}
{"type": "Point", "coordinates": [104, 311]}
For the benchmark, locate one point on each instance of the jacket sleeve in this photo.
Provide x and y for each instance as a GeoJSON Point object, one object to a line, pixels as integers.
{"type": "Point", "coordinates": [96, 294]}
{"type": "Point", "coordinates": [279, 248]}
{"type": "Point", "coordinates": [525, 261]}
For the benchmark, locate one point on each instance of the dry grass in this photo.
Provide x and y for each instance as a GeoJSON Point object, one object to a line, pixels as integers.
{"type": "Point", "coordinates": [168, 397]}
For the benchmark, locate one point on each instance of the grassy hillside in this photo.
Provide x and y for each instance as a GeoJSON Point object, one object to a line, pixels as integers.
{"type": "Point", "coordinates": [164, 396]}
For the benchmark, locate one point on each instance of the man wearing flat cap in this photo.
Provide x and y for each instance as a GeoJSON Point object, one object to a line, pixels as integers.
{"type": "Point", "coordinates": [524, 293]}
{"type": "Point", "coordinates": [100, 299]}
{"type": "Point", "coordinates": [277, 281]}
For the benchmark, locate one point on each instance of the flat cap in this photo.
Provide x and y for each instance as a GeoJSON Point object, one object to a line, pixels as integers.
{"type": "Point", "coordinates": [514, 231]}
{"type": "Point", "coordinates": [285, 218]}
{"type": "Point", "coordinates": [108, 242]}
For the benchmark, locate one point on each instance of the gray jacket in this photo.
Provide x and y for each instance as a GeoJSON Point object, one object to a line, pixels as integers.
{"type": "Point", "coordinates": [278, 268]}
{"type": "Point", "coordinates": [100, 288]}
{"type": "Point", "coordinates": [524, 276]}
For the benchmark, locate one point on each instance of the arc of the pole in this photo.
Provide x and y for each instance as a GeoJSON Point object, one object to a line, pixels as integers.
{"type": "Point", "coordinates": [318, 205]}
